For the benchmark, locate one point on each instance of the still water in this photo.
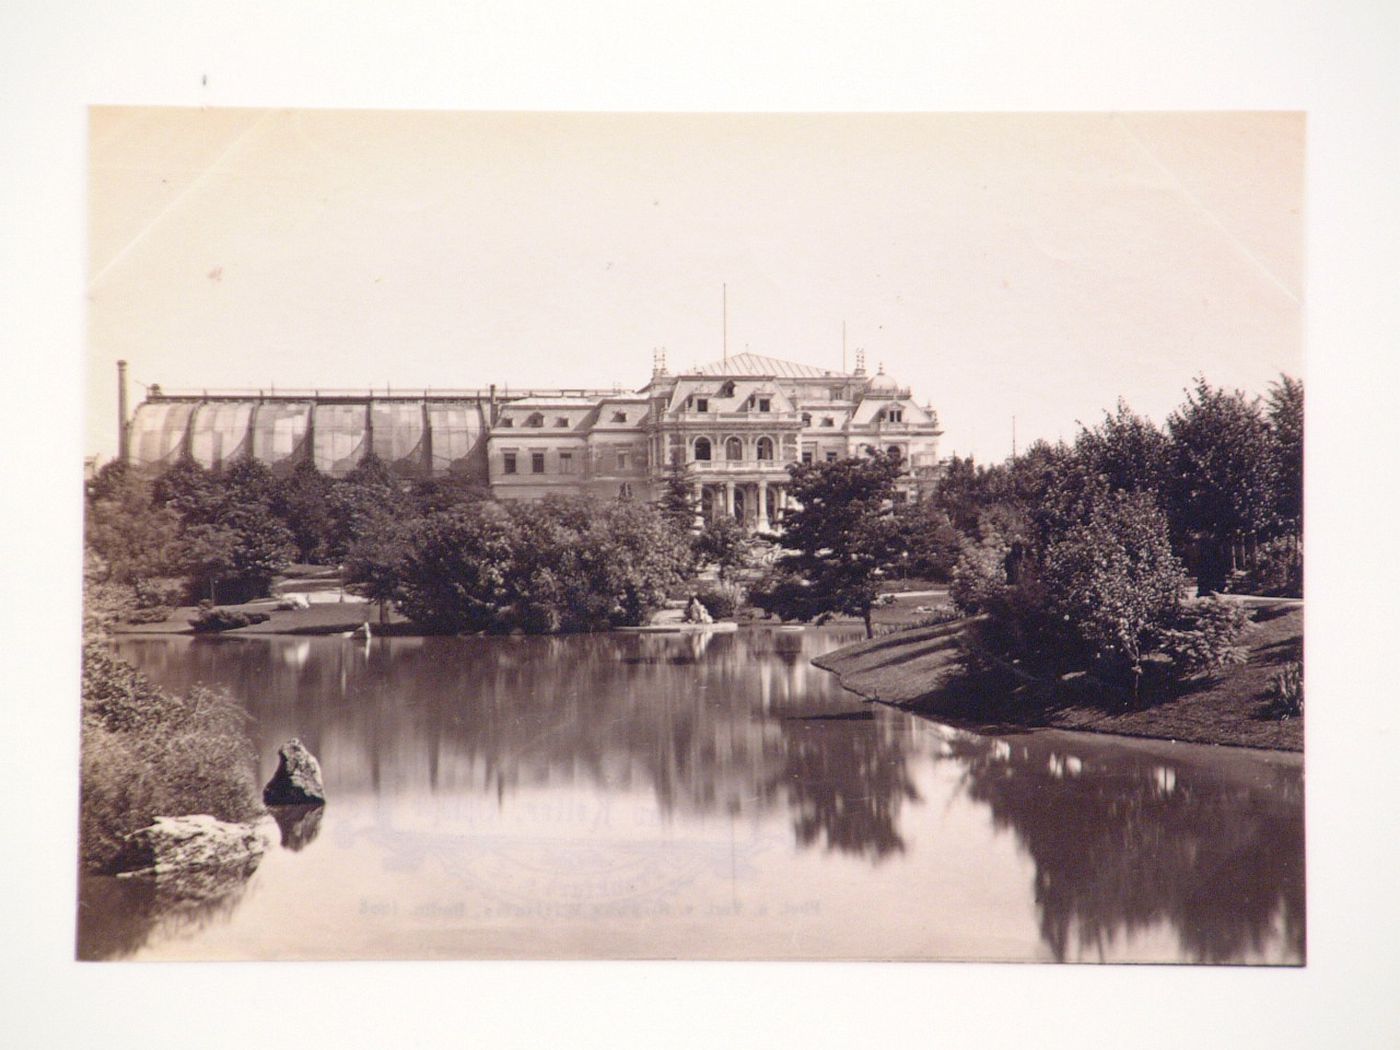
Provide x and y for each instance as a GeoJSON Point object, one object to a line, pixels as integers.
{"type": "Point", "coordinates": [707, 796]}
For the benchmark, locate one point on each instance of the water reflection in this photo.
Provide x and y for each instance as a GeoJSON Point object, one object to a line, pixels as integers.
{"type": "Point", "coordinates": [1126, 840]}
{"type": "Point", "coordinates": [716, 744]}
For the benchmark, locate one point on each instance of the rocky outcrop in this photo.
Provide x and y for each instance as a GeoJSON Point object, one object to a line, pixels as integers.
{"type": "Point", "coordinates": [297, 781]}
{"type": "Point", "coordinates": [195, 855]}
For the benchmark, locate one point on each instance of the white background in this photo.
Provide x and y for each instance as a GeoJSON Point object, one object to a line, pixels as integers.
{"type": "Point", "coordinates": [1333, 59]}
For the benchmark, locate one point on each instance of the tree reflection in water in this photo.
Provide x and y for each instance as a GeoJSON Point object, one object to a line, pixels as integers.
{"type": "Point", "coordinates": [1124, 840]}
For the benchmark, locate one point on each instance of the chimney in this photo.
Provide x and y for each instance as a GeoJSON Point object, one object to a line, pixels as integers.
{"type": "Point", "coordinates": [123, 434]}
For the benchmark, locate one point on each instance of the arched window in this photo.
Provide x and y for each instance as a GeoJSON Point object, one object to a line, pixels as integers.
{"type": "Point", "coordinates": [765, 448]}
{"type": "Point", "coordinates": [535, 419]}
{"type": "Point", "coordinates": [702, 449]}
{"type": "Point", "coordinates": [733, 449]}
{"type": "Point", "coordinates": [727, 390]}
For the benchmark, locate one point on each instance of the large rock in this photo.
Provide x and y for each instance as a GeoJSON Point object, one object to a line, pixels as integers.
{"type": "Point", "coordinates": [195, 851]}
{"type": "Point", "coordinates": [297, 781]}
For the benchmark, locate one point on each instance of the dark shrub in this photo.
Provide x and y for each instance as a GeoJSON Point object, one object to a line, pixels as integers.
{"type": "Point", "coordinates": [721, 601]}
{"type": "Point", "coordinates": [151, 614]}
{"type": "Point", "coordinates": [1205, 635]}
{"type": "Point", "coordinates": [211, 620]}
{"type": "Point", "coordinates": [1277, 571]}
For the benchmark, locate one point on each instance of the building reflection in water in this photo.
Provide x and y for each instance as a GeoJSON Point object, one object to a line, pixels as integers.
{"type": "Point", "coordinates": [1124, 838]}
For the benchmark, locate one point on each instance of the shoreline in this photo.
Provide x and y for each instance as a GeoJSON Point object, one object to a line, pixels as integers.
{"type": "Point", "coordinates": [920, 671]}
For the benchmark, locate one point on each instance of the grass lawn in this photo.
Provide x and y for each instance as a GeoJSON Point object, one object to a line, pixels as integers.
{"type": "Point", "coordinates": [921, 670]}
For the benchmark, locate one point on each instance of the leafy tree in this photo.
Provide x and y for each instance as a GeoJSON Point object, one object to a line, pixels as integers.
{"type": "Point", "coordinates": [134, 536]}
{"type": "Point", "coordinates": [1224, 481]}
{"type": "Point", "coordinates": [374, 564]}
{"type": "Point", "coordinates": [1115, 580]}
{"type": "Point", "coordinates": [455, 573]}
{"type": "Point", "coordinates": [301, 500]}
{"type": "Point", "coordinates": [1127, 451]}
{"type": "Point", "coordinates": [431, 495]}
{"type": "Point", "coordinates": [724, 543]}
{"type": "Point", "coordinates": [840, 541]}
{"type": "Point", "coordinates": [930, 543]}
{"type": "Point", "coordinates": [1285, 415]}
{"type": "Point", "coordinates": [356, 502]}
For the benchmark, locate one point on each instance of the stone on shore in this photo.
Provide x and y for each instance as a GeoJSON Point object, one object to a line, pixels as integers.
{"type": "Point", "coordinates": [297, 781]}
{"type": "Point", "coordinates": [198, 854]}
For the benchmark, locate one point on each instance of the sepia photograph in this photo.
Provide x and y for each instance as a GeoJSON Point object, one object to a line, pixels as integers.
{"type": "Point", "coordinates": [693, 536]}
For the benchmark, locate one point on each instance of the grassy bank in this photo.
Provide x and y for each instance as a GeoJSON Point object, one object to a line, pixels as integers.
{"type": "Point", "coordinates": [923, 670]}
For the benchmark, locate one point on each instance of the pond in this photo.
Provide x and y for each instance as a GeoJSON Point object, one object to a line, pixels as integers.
{"type": "Point", "coordinates": [706, 796]}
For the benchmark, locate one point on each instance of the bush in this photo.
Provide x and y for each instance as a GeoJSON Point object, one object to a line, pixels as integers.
{"type": "Point", "coordinates": [1287, 690]}
{"type": "Point", "coordinates": [211, 620]}
{"type": "Point", "coordinates": [1277, 571]}
{"type": "Point", "coordinates": [160, 591]}
{"type": "Point", "coordinates": [979, 577]}
{"type": "Point", "coordinates": [939, 614]}
{"type": "Point", "coordinates": [153, 614]}
{"type": "Point", "coordinates": [722, 600]}
{"type": "Point", "coordinates": [1205, 635]}
{"type": "Point", "coordinates": [147, 753]}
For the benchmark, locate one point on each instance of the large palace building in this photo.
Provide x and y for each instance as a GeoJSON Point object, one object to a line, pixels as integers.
{"type": "Point", "coordinates": [736, 425]}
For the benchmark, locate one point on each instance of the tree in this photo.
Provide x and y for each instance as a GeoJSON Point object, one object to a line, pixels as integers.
{"type": "Point", "coordinates": [930, 543]}
{"type": "Point", "coordinates": [1127, 451]}
{"type": "Point", "coordinates": [677, 503]}
{"type": "Point", "coordinates": [840, 541]}
{"type": "Point", "coordinates": [724, 543]}
{"type": "Point", "coordinates": [1224, 482]}
{"type": "Point", "coordinates": [374, 563]}
{"type": "Point", "coordinates": [1285, 415]}
{"type": "Point", "coordinates": [301, 501]}
{"type": "Point", "coordinates": [455, 572]}
{"type": "Point", "coordinates": [134, 536]}
{"type": "Point", "coordinates": [1115, 581]}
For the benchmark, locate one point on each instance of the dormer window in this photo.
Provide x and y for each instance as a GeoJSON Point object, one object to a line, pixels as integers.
{"type": "Point", "coordinates": [727, 390]}
{"type": "Point", "coordinates": [806, 419]}
{"type": "Point", "coordinates": [827, 421]}
{"type": "Point", "coordinates": [764, 404]}
{"type": "Point", "coordinates": [562, 421]}
{"type": "Point", "coordinates": [507, 421]}
{"type": "Point", "coordinates": [619, 417]}
{"type": "Point", "coordinates": [702, 404]}
{"type": "Point", "coordinates": [535, 419]}
{"type": "Point", "coordinates": [894, 415]}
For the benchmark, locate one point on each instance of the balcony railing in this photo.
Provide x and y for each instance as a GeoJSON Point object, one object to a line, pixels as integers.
{"type": "Point", "coordinates": [737, 466]}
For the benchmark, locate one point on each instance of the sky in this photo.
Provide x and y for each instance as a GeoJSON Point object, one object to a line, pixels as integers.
{"type": "Point", "coordinates": [1035, 266]}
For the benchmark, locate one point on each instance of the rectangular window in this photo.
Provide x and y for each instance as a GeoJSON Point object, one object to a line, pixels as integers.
{"type": "Point", "coordinates": [895, 415]}
{"type": "Point", "coordinates": [507, 462]}
{"type": "Point", "coordinates": [831, 457]}
{"type": "Point", "coordinates": [764, 404]}
{"type": "Point", "coordinates": [702, 404]}
{"type": "Point", "coordinates": [536, 462]}
{"type": "Point", "coordinates": [827, 421]}
{"type": "Point", "coordinates": [566, 463]}
{"type": "Point", "coordinates": [806, 455]}
{"type": "Point", "coordinates": [621, 461]}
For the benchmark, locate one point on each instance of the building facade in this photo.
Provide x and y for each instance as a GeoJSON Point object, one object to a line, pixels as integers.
{"type": "Point", "coordinates": [733, 427]}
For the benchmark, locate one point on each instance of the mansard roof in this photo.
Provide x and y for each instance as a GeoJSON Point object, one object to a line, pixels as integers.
{"type": "Point", "coordinates": [758, 365]}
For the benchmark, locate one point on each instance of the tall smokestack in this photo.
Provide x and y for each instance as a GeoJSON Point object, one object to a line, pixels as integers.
{"type": "Point", "coordinates": [123, 438]}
